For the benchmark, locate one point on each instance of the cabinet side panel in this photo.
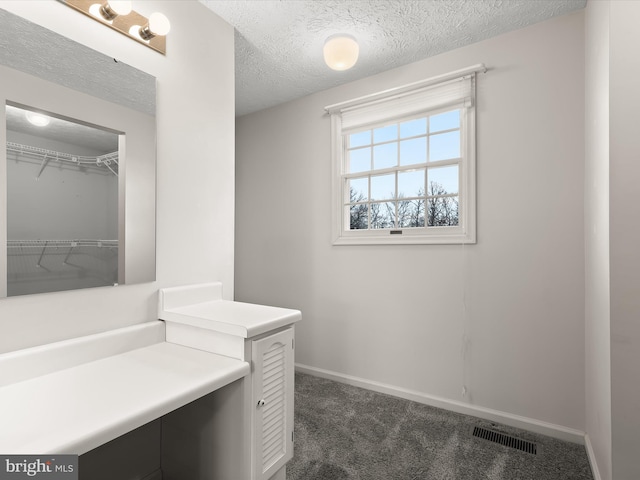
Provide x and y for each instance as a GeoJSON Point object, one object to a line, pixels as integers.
{"type": "Point", "coordinates": [204, 439]}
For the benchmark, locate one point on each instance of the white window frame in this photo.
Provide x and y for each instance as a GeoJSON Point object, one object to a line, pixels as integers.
{"type": "Point", "coordinates": [424, 98]}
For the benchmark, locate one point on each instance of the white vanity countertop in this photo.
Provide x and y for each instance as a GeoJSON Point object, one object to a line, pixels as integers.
{"type": "Point", "coordinates": [77, 409]}
{"type": "Point", "coordinates": [234, 318]}
{"type": "Point", "coordinates": [202, 306]}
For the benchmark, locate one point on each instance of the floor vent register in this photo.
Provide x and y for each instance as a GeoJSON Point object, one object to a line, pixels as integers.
{"type": "Point", "coordinates": [506, 440]}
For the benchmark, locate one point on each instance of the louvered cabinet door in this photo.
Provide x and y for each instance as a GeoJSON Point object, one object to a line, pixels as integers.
{"type": "Point", "coordinates": [272, 358]}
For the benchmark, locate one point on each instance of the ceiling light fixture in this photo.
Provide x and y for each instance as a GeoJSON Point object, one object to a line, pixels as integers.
{"type": "Point", "coordinates": [118, 14]}
{"type": "Point", "coordinates": [341, 51]}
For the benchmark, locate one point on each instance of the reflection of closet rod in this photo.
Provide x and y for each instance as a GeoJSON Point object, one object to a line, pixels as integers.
{"type": "Point", "coordinates": [62, 243]}
{"type": "Point", "coordinates": [47, 155]}
{"type": "Point", "coordinates": [70, 244]}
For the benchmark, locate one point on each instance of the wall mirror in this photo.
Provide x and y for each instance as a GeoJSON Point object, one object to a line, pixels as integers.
{"type": "Point", "coordinates": [79, 165]}
{"type": "Point", "coordinates": [62, 203]}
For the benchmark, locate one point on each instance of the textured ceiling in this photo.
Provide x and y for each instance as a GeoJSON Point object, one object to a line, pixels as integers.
{"type": "Point", "coordinates": [279, 42]}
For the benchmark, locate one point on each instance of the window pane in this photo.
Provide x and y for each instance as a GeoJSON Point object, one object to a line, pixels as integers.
{"type": "Point", "coordinates": [358, 189]}
{"type": "Point", "coordinates": [443, 180]}
{"type": "Point", "coordinates": [413, 128]}
{"type": "Point", "coordinates": [360, 139]}
{"type": "Point", "coordinates": [383, 187]}
{"type": "Point", "coordinates": [444, 121]}
{"type": "Point", "coordinates": [444, 146]}
{"type": "Point", "coordinates": [442, 212]}
{"type": "Point", "coordinates": [385, 134]}
{"type": "Point", "coordinates": [385, 156]}
{"type": "Point", "coordinates": [383, 215]}
{"type": "Point", "coordinates": [413, 151]}
{"type": "Point", "coordinates": [411, 213]}
{"type": "Point", "coordinates": [358, 217]}
{"type": "Point", "coordinates": [411, 184]}
{"type": "Point", "coordinates": [359, 160]}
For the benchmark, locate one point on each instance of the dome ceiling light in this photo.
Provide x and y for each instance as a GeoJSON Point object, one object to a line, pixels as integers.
{"type": "Point", "coordinates": [341, 51]}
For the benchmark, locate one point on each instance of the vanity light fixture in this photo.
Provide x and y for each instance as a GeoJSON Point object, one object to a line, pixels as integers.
{"type": "Point", "coordinates": [110, 10]}
{"type": "Point", "coordinates": [120, 16]}
{"type": "Point", "coordinates": [341, 51]}
{"type": "Point", "coordinates": [158, 24]}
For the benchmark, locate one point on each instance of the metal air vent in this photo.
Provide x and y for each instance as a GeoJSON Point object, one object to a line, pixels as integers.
{"type": "Point", "coordinates": [506, 440]}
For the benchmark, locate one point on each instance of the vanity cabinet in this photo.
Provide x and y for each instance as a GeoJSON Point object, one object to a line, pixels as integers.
{"type": "Point", "coordinates": [272, 397]}
{"type": "Point", "coordinates": [197, 317]}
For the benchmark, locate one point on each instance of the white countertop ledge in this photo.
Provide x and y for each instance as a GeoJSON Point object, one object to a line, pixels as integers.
{"type": "Point", "coordinates": [80, 408]}
{"type": "Point", "coordinates": [201, 305]}
{"type": "Point", "coordinates": [234, 318]}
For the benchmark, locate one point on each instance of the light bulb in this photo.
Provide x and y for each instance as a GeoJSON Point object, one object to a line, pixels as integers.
{"type": "Point", "coordinates": [121, 7]}
{"type": "Point", "coordinates": [341, 51]}
{"type": "Point", "coordinates": [110, 10]}
{"type": "Point", "coordinates": [158, 25]}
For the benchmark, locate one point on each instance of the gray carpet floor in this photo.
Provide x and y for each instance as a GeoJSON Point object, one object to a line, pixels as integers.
{"type": "Point", "coordinates": [348, 433]}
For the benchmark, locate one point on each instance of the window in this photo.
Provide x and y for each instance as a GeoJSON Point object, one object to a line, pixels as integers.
{"type": "Point", "coordinates": [404, 164]}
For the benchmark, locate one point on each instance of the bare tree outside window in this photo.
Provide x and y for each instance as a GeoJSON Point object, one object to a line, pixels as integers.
{"type": "Point", "coordinates": [411, 212]}
{"type": "Point", "coordinates": [440, 208]}
{"type": "Point", "coordinates": [358, 211]}
{"type": "Point", "coordinates": [442, 211]}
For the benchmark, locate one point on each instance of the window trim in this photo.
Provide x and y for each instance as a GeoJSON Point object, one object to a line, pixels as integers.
{"type": "Point", "coordinates": [465, 233]}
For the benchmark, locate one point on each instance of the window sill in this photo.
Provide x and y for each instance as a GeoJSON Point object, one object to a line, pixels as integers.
{"type": "Point", "coordinates": [406, 239]}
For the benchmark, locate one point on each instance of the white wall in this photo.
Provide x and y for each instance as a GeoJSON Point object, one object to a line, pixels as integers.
{"type": "Point", "coordinates": [611, 238]}
{"type": "Point", "coordinates": [624, 212]}
{"type": "Point", "coordinates": [195, 120]}
{"type": "Point", "coordinates": [503, 318]}
{"type": "Point", "coordinates": [596, 234]}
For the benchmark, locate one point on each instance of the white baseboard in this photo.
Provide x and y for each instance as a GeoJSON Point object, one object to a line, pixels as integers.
{"type": "Point", "coordinates": [592, 458]}
{"type": "Point", "coordinates": [517, 421]}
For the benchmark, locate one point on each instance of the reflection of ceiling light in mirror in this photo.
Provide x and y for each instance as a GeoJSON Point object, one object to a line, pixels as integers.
{"type": "Point", "coordinates": [341, 51]}
{"type": "Point", "coordinates": [37, 119]}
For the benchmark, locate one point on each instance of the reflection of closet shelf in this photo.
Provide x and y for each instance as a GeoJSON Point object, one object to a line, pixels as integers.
{"type": "Point", "coordinates": [62, 243]}
{"type": "Point", "coordinates": [108, 160]}
{"type": "Point", "coordinates": [71, 245]}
